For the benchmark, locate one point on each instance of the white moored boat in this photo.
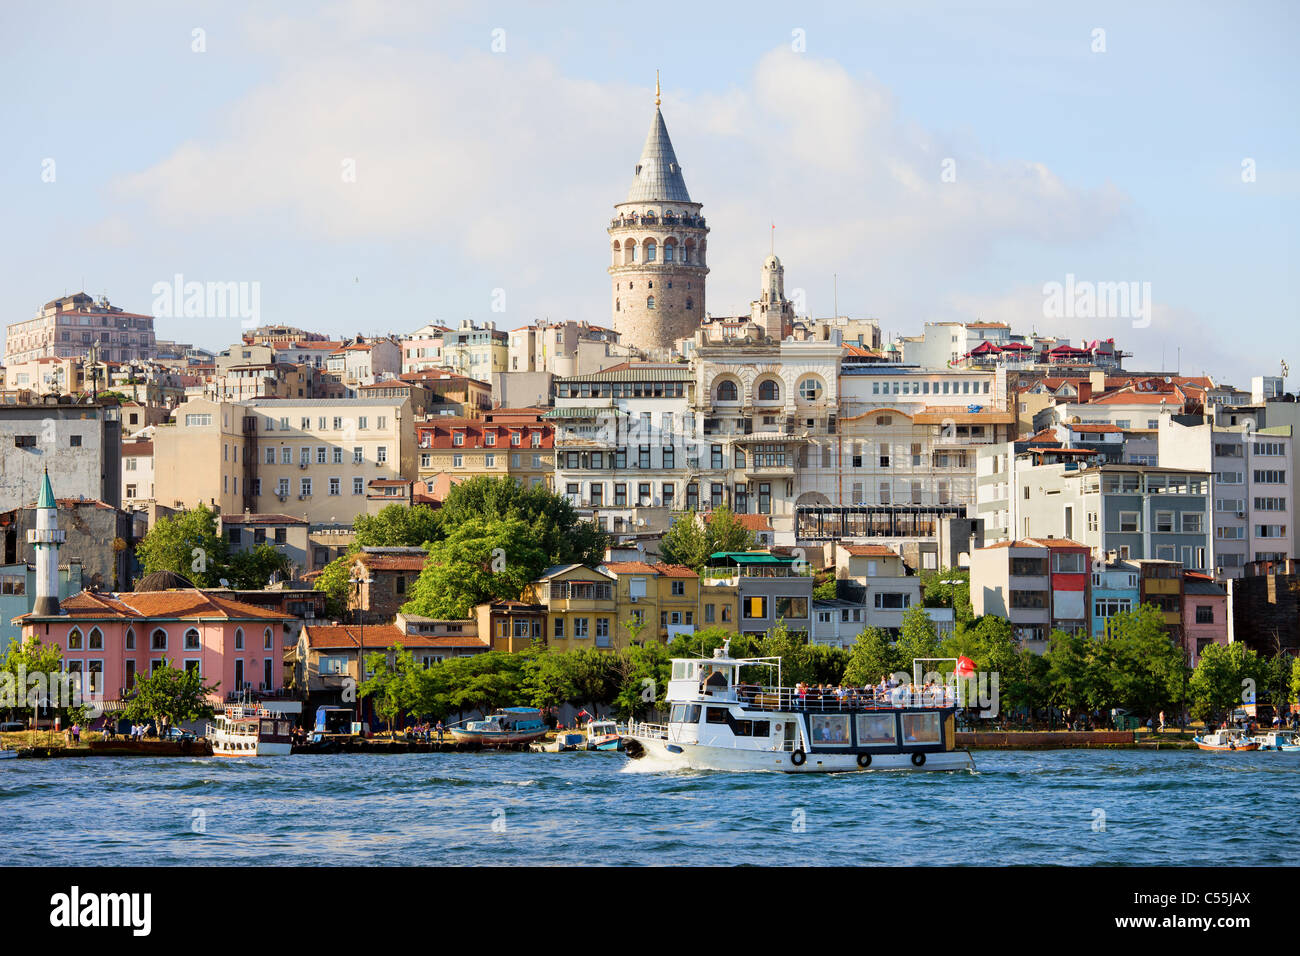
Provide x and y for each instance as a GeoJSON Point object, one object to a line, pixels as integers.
{"type": "Point", "coordinates": [716, 723]}
{"type": "Point", "coordinates": [250, 731]}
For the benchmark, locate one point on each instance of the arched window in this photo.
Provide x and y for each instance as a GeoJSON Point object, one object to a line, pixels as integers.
{"type": "Point", "coordinates": [96, 642]}
{"type": "Point", "coordinates": [650, 249]}
{"type": "Point", "coordinates": [690, 303]}
{"type": "Point", "coordinates": [769, 391]}
{"type": "Point", "coordinates": [74, 639]}
{"type": "Point", "coordinates": [266, 639]}
{"type": "Point", "coordinates": [192, 639]}
{"type": "Point", "coordinates": [617, 307]}
{"type": "Point", "coordinates": [239, 638]}
{"type": "Point", "coordinates": [158, 640]}
{"type": "Point", "coordinates": [668, 252]}
{"type": "Point", "coordinates": [650, 302]}
{"type": "Point", "coordinates": [130, 638]}
{"type": "Point", "coordinates": [810, 389]}
{"type": "Point", "coordinates": [727, 391]}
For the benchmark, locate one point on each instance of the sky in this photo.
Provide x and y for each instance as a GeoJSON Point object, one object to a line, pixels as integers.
{"type": "Point", "coordinates": [371, 166]}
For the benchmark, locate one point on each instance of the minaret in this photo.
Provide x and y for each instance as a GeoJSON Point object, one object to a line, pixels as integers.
{"type": "Point", "coordinates": [46, 539]}
{"type": "Point", "coordinates": [658, 247]}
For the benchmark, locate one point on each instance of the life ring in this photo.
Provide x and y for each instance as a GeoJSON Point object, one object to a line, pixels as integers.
{"type": "Point", "coordinates": [864, 760]}
{"type": "Point", "coordinates": [798, 757]}
{"type": "Point", "coordinates": [918, 760]}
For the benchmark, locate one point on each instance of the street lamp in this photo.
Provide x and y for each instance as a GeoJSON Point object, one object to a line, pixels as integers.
{"type": "Point", "coordinates": [358, 580]}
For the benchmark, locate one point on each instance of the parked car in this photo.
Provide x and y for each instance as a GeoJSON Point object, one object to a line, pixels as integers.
{"type": "Point", "coordinates": [11, 726]}
{"type": "Point", "coordinates": [175, 733]}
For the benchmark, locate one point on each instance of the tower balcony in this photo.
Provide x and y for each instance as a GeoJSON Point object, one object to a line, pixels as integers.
{"type": "Point", "coordinates": [46, 536]}
{"type": "Point", "coordinates": [665, 222]}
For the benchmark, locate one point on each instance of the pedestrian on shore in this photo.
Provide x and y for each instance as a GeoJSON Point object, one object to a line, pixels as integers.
{"type": "Point", "coordinates": [1162, 721]}
{"type": "Point", "coordinates": [440, 731]}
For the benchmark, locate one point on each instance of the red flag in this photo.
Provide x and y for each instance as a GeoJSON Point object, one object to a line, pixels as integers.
{"type": "Point", "coordinates": [965, 667]}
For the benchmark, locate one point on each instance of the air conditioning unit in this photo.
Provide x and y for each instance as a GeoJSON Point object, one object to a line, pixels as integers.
{"type": "Point", "coordinates": [302, 497]}
{"type": "Point", "coordinates": [302, 464]}
{"type": "Point", "coordinates": [283, 497]}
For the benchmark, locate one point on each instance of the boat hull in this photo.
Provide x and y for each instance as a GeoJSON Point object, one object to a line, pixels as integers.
{"type": "Point", "coordinates": [666, 755]}
{"type": "Point", "coordinates": [497, 739]}
{"type": "Point", "coordinates": [263, 749]}
{"type": "Point", "coordinates": [1236, 748]}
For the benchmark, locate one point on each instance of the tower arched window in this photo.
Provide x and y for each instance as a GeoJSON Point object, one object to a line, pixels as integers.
{"type": "Point", "coordinates": [769, 391]}
{"type": "Point", "coordinates": [650, 249]}
{"type": "Point", "coordinates": [690, 303]}
{"type": "Point", "coordinates": [650, 302]}
{"type": "Point", "coordinates": [617, 308]}
{"type": "Point", "coordinates": [668, 252]}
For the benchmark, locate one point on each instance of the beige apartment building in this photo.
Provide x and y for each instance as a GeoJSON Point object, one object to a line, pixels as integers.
{"type": "Point", "coordinates": [312, 459]}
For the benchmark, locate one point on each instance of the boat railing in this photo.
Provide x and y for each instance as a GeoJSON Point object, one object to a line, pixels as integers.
{"type": "Point", "coordinates": [755, 697]}
{"type": "Point", "coordinates": [656, 731]}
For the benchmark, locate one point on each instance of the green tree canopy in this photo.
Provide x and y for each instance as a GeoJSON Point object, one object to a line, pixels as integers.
{"type": "Point", "coordinates": [484, 558]}
{"type": "Point", "coordinates": [170, 696]}
{"type": "Point", "coordinates": [1225, 676]}
{"type": "Point", "coordinates": [872, 657]}
{"type": "Point", "coordinates": [556, 527]}
{"type": "Point", "coordinates": [692, 538]}
{"type": "Point", "coordinates": [188, 544]}
{"type": "Point", "coordinates": [948, 587]}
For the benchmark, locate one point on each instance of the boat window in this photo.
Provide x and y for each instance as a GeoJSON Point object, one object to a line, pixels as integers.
{"type": "Point", "coordinates": [685, 714]}
{"type": "Point", "coordinates": [875, 729]}
{"type": "Point", "coordinates": [743, 728]}
{"type": "Point", "coordinates": [716, 715]}
{"type": "Point", "coordinates": [762, 728]}
{"type": "Point", "coordinates": [921, 728]}
{"type": "Point", "coordinates": [831, 730]}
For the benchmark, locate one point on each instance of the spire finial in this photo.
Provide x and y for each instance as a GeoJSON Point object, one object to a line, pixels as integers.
{"type": "Point", "coordinates": [657, 96]}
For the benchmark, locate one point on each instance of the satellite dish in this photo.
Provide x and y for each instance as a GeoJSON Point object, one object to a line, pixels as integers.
{"type": "Point", "coordinates": [225, 583]}
{"type": "Point", "coordinates": [1168, 380]}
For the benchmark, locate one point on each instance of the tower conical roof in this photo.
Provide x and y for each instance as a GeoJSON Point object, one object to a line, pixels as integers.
{"type": "Point", "coordinates": [658, 176]}
{"type": "Point", "coordinates": [46, 499]}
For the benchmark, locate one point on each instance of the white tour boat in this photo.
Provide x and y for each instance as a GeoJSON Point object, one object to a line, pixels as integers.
{"type": "Point", "coordinates": [717, 723]}
{"type": "Point", "coordinates": [246, 730]}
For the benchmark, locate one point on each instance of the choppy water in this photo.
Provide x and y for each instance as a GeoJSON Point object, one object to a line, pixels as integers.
{"type": "Point", "coordinates": [1163, 808]}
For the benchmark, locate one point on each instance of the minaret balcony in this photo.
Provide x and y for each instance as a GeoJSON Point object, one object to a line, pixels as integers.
{"type": "Point", "coordinates": [46, 536]}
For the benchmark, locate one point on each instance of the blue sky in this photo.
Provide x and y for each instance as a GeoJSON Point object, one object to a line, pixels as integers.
{"type": "Point", "coordinates": [481, 170]}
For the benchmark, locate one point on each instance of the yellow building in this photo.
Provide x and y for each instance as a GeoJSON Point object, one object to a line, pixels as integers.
{"type": "Point", "coordinates": [581, 610]}
{"type": "Point", "coordinates": [719, 604]}
{"type": "Point", "coordinates": [663, 598]}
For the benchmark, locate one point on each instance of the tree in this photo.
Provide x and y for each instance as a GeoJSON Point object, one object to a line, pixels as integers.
{"type": "Point", "coordinates": [252, 569]}
{"type": "Point", "coordinates": [170, 696]}
{"type": "Point", "coordinates": [188, 544]}
{"type": "Point", "coordinates": [484, 558]}
{"type": "Point", "coordinates": [333, 580]}
{"type": "Point", "coordinates": [556, 526]}
{"type": "Point", "coordinates": [643, 675]}
{"type": "Point", "coordinates": [685, 542]}
{"type": "Point", "coordinates": [1072, 672]}
{"type": "Point", "coordinates": [22, 661]}
{"type": "Point", "coordinates": [397, 526]}
{"type": "Point", "coordinates": [1138, 666]}
{"type": "Point", "coordinates": [825, 590]}
{"type": "Point", "coordinates": [1295, 679]}
{"type": "Point", "coordinates": [948, 587]}
{"type": "Point", "coordinates": [390, 683]}
{"type": "Point", "coordinates": [919, 639]}
{"type": "Point", "coordinates": [872, 657]}
{"type": "Point", "coordinates": [1225, 675]}
{"type": "Point", "coordinates": [690, 540]}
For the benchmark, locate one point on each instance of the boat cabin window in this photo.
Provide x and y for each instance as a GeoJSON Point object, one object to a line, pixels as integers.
{"type": "Point", "coordinates": [685, 714]}
{"type": "Point", "coordinates": [683, 670]}
{"type": "Point", "coordinates": [752, 728]}
{"type": "Point", "coordinates": [831, 730]}
{"type": "Point", "coordinates": [876, 730]}
{"type": "Point", "coordinates": [715, 715]}
{"type": "Point", "coordinates": [921, 728]}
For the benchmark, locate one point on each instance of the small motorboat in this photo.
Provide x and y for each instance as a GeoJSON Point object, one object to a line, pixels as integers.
{"type": "Point", "coordinates": [1284, 740]}
{"type": "Point", "coordinates": [1226, 740]}
{"type": "Point", "coordinates": [6, 753]}
{"type": "Point", "coordinates": [603, 735]}
{"type": "Point", "coordinates": [565, 741]}
{"type": "Point", "coordinates": [509, 725]}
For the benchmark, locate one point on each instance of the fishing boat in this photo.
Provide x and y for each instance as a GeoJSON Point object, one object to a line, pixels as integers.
{"type": "Point", "coordinates": [246, 730]}
{"type": "Point", "coordinates": [564, 742]}
{"type": "Point", "coordinates": [1283, 740]}
{"type": "Point", "coordinates": [603, 735]}
{"type": "Point", "coordinates": [717, 723]}
{"type": "Point", "coordinates": [509, 725]}
{"type": "Point", "coordinates": [1225, 740]}
{"type": "Point", "coordinates": [6, 753]}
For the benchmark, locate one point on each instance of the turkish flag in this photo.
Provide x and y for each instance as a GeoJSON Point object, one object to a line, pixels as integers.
{"type": "Point", "coordinates": [965, 667]}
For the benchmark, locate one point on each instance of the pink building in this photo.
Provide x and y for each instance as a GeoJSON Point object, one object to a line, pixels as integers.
{"type": "Point", "coordinates": [112, 637]}
{"type": "Point", "coordinates": [1205, 614]}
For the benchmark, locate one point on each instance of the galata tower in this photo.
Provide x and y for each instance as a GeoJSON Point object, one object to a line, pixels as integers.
{"type": "Point", "coordinates": [659, 249]}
